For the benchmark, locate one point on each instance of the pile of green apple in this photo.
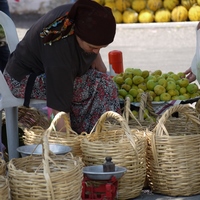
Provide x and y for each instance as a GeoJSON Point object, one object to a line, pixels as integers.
{"type": "Point", "coordinates": [161, 86]}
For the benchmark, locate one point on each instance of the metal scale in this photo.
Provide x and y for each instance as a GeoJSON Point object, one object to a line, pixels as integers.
{"type": "Point", "coordinates": [99, 184]}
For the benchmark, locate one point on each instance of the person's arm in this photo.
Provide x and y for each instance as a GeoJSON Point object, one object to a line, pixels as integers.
{"type": "Point", "coordinates": [188, 73]}
{"type": "Point", "coordinates": [98, 64]}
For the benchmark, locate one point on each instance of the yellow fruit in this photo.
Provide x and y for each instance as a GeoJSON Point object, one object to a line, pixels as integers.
{"type": "Point", "coordinates": [127, 75]}
{"type": "Point", "coordinates": [159, 89]}
{"type": "Point", "coordinates": [142, 86]}
{"type": "Point", "coordinates": [121, 5]}
{"type": "Point", "coordinates": [181, 97]}
{"type": "Point", "coordinates": [194, 13]}
{"type": "Point", "coordinates": [152, 94]}
{"type": "Point", "coordinates": [138, 5]}
{"type": "Point", "coordinates": [174, 77]}
{"type": "Point", "coordinates": [181, 74]}
{"type": "Point", "coordinates": [192, 88]}
{"type": "Point", "coordinates": [154, 5]}
{"type": "Point", "coordinates": [172, 92]}
{"type": "Point", "coordinates": [175, 97]}
{"type": "Point", "coordinates": [137, 79]}
{"type": "Point", "coordinates": [157, 72]}
{"type": "Point", "coordinates": [130, 97]}
{"type": "Point", "coordinates": [170, 4]}
{"type": "Point", "coordinates": [119, 80]}
{"type": "Point", "coordinates": [120, 97]}
{"type": "Point", "coordinates": [146, 16]}
{"type": "Point", "coordinates": [162, 82]}
{"type": "Point", "coordinates": [128, 69]}
{"type": "Point", "coordinates": [126, 87]}
{"type": "Point", "coordinates": [134, 87]}
{"type": "Point", "coordinates": [163, 15]}
{"type": "Point", "coordinates": [107, 1]}
{"type": "Point", "coordinates": [138, 98]}
{"type": "Point", "coordinates": [165, 97]}
{"type": "Point", "coordinates": [122, 92]}
{"type": "Point", "coordinates": [184, 82]}
{"type": "Point", "coordinates": [145, 73]}
{"type": "Point", "coordinates": [130, 16]}
{"type": "Point", "coordinates": [187, 95]}
{"type": "Point", "coordinates": [188, 3]}
{"type": "Point", "coordinates": [152, 77]}
{"type": "Point", "coordinates": [146, 113]}
{"type": "Point", "coordinates": [101, 2]}
{"type": "Point", "coordinates": [118, 16]}
{"type": "Point", "coordinates": [110, 5]}
{"type": "Point", "coordinates": [198, 2]}
{"type": "Point", "coordinates": [156, 98]}
{"type": "Point", "coordinates": [179, 14]}
{"type": "Point", "coordinates": [133, 92]}
{"type": "Point", "coordinates": [128, 81]}
{"type": "Point", "coordinates": [151, 84]}
{"type": "Point", "coordinates": [171, 85]}
{"type": "Point", "coordinates": [136, 71]}
{"type": "Point", "coordinates": [182, 90]}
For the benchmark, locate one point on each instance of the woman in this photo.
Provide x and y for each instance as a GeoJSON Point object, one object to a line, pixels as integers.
{"type": "Point", "coordinates": [58, 60]}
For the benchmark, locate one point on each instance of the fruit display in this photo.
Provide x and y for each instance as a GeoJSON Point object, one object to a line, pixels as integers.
{"type": "Point", "coordinates": [148, 11]}
{"type": "Point", "coordinates": [161, 86]}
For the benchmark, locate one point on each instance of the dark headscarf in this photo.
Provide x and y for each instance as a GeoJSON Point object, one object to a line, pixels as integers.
{"type": "Point", "coordinates": [93, 23]}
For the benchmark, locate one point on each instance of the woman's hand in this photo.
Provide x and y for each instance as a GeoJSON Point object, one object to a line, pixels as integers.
{"type": "Point", "coordinates": [189, 75]}
{"type": "Point", "coordinates": [98, 64]}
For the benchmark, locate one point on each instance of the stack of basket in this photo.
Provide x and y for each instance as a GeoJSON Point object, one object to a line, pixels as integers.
{"type": "Point", "coordinates": [126, 147]}
{"type": "Point", "coordinates": [4, 186]}
{"type": "Point", "coordinates": [46, 176]}
{"type": "Point", "coordinates": [173, 153]}
{"type": "Point", "coordinates": [70, 138]}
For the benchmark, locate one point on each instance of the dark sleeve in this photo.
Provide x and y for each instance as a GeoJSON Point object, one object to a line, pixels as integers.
{"type": "Point", "coordinates": [61, 68]}
{"type": "Point", "coordinates": [59, 85]}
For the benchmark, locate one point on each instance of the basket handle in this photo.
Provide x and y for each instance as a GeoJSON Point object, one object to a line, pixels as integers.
{"type": "Point", "coordinates": [127, 112]}
{"type": "Point", "coordinates": [146, 102]}
{"type": "Point", "coordinates": [182, 108]}
{"type": "Point", "coordinates": [66, 120]}
{"type": "Point", "coordinates": [111, 114]}
{"type": "Point", "coordinates": [46, 152]}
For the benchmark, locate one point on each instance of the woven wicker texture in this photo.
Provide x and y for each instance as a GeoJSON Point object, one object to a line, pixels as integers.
{"type": "Point", "coordinates": [4, 188]}
{"type": "Point", "coordinates": [140, 122]}
{"type": "Point", "coordinates": [2, 165]}
{"type": "Point", "coordinates": [69, 138]}
{"type": "Point", "coordinates": [173, 161]}
{"type": "Point", "coordinates": [28, 117]}
{"type": "Point", "coordinates": [126, 147]}
{"type": "Point", "coordinates": [47, 176]}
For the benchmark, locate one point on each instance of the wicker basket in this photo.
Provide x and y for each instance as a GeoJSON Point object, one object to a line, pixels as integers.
{"type": "Point", "coordinates": [126, 147]}
{"type": "Point", "coordinates": [140, 122]}
{"type": "Point", "coordinates": [69, 138]}
{"type": "Point", "coordinates": [2, 165]}
{"type": "Point", "coordinates": [173, 161]}
{"type": "Point", "coordinates": [47, 176]}
{"type": "Point", "coordinates": [28, 117]}
{"type": "Point", "coordinates": [4, 188]}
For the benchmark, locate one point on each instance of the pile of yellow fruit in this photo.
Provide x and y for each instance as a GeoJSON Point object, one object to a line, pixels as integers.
{"type": "Point", "coordinates": [161, 86]}
{"type": "Point", "coordinates": [147, 11]}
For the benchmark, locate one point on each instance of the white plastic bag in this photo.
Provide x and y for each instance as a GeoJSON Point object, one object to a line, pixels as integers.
{"type": "Point", "coordinates": [195, 66]}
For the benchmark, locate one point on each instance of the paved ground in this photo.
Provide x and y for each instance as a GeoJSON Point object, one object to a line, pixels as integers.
{"type": "Point", "coordinates": [169, 47]}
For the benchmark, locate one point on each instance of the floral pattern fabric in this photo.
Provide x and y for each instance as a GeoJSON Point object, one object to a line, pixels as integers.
{"type": "Point", "coordinates": [94, 94]}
